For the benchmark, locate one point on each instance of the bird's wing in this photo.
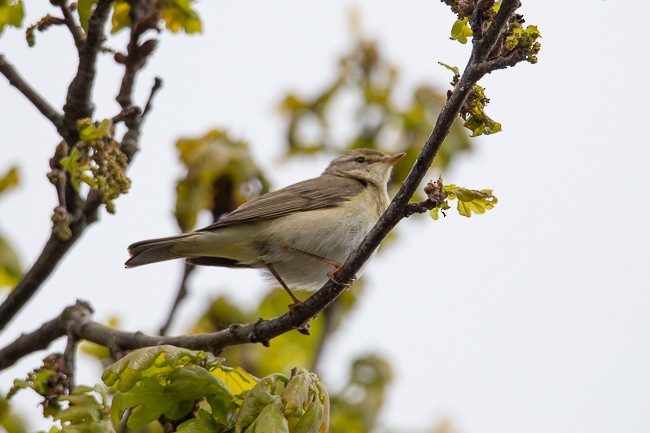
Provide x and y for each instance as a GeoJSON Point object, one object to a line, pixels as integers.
{"type": "Point", "coordinates": [312, 194]}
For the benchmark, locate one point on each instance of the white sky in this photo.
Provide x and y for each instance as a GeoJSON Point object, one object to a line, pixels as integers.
{"type": "Point", "coordinates": [533, 318]}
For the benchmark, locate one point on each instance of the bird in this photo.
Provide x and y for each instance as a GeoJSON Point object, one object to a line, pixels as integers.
{"type": "Point", "coordinates": [300, 234]}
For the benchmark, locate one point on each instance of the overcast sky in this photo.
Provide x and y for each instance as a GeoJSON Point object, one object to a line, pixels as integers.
{"type": "Point", "coordinates": [533, 318]}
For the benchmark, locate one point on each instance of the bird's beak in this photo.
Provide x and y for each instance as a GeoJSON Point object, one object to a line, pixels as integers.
{"type": "Point", "coordinates": [392, 159]}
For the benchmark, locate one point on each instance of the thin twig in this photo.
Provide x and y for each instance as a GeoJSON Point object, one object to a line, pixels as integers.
{"type": "Point", "coordinates": [140, 14]}
{"type": "Point", "coordinates": [78, 103]}
{"type": "Point", "coordinates": [435, 197]}
{"type": "Point", "coordinates": [180, 295]}
{"type": "Point", "coordinates": [157, 84]}
{"type": "Point", "coordinates": [76, 31]}
{"type": "Point", "coordinates": [37, 100]}
{"type": "Point", "coordinates": [70, 359]}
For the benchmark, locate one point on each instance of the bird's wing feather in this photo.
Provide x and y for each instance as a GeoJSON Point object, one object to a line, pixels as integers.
{"type": "Point", "coordinates": [312, 194]}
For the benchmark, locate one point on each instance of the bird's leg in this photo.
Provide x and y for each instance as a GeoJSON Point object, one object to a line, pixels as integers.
{"type": "Point", "coordinates": [273, 272]}
{"type": "Point", "coordinates": [305, 327]}
{"type": "Point", "coordinates": [334, 263]}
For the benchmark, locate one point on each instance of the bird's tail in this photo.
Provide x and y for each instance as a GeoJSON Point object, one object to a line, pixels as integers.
{"type": "Point", "coordinates": [154, 250]}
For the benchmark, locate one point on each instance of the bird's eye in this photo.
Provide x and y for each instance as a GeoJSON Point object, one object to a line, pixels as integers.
{"type": "Point", "coordinates": [360, 159]}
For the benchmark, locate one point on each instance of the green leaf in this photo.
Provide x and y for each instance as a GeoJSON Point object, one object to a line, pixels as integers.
{"type": "Point", "coordinates": [460, 31]}
{"type": "Point", "coordinates": [264, 393]}
{"type": "Point", "coordinates": [72, 165]}
{"type": "Point", "coordinates": [170, 381]}
{"type": "Point", "coordinates": [296, 396]}
{"type": "Point", "coordinates": [470, 200]}
{"type": "Point", "coordinates": [89, 132]}
{"type": "Point", "coordinates": [121, 18]}
{"type": "Point", "coordinates": [130, 369]}
{"type": "Point", "coordinates": [84, 410]}
{"type": "Point", "coordinates": [236, 379]}
{"type": "Point", "coordinates": [11, 418]}
{"type": "Point", "coordinates": [311, 421]}
{"type": "Point", "coordinates": [179, 15]}
{"type": "Point", "coordinates": [148, 401]}
{"type": "Point", "coordinates": [482, 124]}
{"type": "Point", "coordinates": [10, 268]}
{"type": "Point", "coordinates": [474, 110]}
{"type": "Point", "coordinates": [270, 420]}
{"type": "Point", "coordinates": [11, 13]}
{"type": "Point", "coordinates": [85, 9]}
{"type": "Point", "coordinates": [192, 382]}
{"type": "Point", "coordinates": [10, 179]}
{"type": "Point", "coordinates": [453, 69]}
{"type": "Point", "coordinates": [204, 422]}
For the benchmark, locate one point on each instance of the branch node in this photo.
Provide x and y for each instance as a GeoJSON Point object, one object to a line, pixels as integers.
{"type": "Point", "coordinates": [435, 197]}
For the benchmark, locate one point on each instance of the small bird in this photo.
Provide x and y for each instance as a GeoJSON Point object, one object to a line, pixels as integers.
{"type": "Point", "coordinates": [300, 234]}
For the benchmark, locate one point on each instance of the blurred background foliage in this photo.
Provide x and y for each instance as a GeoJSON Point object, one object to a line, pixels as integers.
{"type": "Point", "coordinates": [10, 269]}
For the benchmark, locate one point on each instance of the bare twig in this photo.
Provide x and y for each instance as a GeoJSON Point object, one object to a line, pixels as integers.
{"type": "Point", "coordinates": [157, 84]}
{"type": "Point", "coordinates": [143, 17]}
{"type": "Point", "coordinates": [180, 295]}
{"type": "Point", "coordinates": [75, 29]}
{"type": "Point", "coordinates": [78, 101]}
{"type": "Point", "coordinates": [37, 100]}
{"type": "Point", "coordinates": [70, 359]}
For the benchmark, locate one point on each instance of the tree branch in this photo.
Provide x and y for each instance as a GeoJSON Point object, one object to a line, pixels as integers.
{"type": "Point", "coordinates": [53, 251]}
{"type": "Point", "coordinates": [42, 337]}
{"type": "Point", "coordinates": [78, 101]}
{"type": "Point", "coordinates": [37, 100]}
{"type": "Point", "coordinates": [263, 331]}
{"type": "Point", "coordinates": [83, 212]}
{"type": "Point", "coordinates": [75, 29]}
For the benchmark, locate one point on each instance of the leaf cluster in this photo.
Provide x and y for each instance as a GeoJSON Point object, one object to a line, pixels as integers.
{"type": "Point", "coordinates": [469, 201]}
{"type": "Point", "coordinates": [50, 381]}
{"type": "Point", "coordinates": [475, 17]}
{"type": "Point", "coordinates": [97, 161]}
{"type": "Point", "coordinates": [176, 14]}
{"type": "Point", "coordinates": [194, 391]}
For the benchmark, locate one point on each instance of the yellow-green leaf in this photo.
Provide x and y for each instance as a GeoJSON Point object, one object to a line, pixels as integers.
{"type": "Point", "coordinates": [460, 31]}
{"type": "Point", "coordinates": [89, 132]}
{"type": "Point", "coordinates": [121, 18]}
{"type": "Point", "coordinates": [10, 268]}
{"type": "Point", "coordinates": [11, 13]}
{"type": "Point", "coordinates": [470, 200]}
{"type": "Point", "coordinates": [179, 15]}
{"type": "Point", "coordinates": [85, 9]}
{"type": "Point", "coordinates": [236, 379]}
{"type": "Point", "coordinates": [9, 179]}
